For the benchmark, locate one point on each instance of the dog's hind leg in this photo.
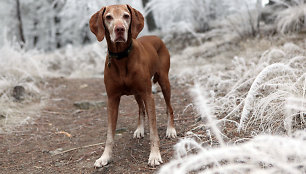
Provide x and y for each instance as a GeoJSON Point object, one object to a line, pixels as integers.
{"type": "Point", "coordinates": [166, 89]}
{"type": "Point", "coordinates": [163, 81]}
{"type": "Point", "coordinates": [155, 157]}
{"type": "Point", "coordinates": [139, 132]}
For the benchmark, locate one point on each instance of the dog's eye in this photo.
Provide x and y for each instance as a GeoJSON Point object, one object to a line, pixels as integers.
{"type": "Point", "coordinates": [109, 17]}
{"type": "Point", "coordinates": [126, 16]}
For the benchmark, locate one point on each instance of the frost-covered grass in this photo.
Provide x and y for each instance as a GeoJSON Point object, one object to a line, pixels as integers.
{"type": "Point", "coordinates": [31, 69]}
{"type": "Point", "coordinates": [263, 154]}
{"type": "Point", "coordinates": [76, 62]}
{"type": "Point", "coordinates": [292, 18]}
{"type": "Point", "coordinates": [19, 68]}
{"type": "Point", "coordinates": [285, 17]}
{"type": "Point", "coordinates": [71, 62]}
{"type": "Point", "coordinates": [252, 108]}
{"type": "Point", "coordinates": [252, 91]}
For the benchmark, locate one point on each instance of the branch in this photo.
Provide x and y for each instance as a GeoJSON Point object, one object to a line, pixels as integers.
{"type": "Point", "coordinates": [77, 148]}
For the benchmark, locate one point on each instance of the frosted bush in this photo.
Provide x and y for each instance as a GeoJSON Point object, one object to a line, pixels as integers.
{"type": "Point", "coordinates": [257, 84]}
{"type": "Point", "coordinates": [30, 69]}
{"type": "Point", "coordinates": [243, 23]}
{"type": "Point", "coordinates": [252, 92]}
{"type": "Point", "coordinates": [73, 62]}
{"type": "Point", "coordinates": [273, 105]}
{"type": "Point", "coordinates": [77, 62]}
{"type": "Point", "coordinates": [286, 16]}
{"type": "Point", "coordinates": [291, 19]}
{"type": "Point", "coordinates": [186, 16]}
{"type": "Point", "coordinates": [19, 68]}
{"type": "Point", "coordinates": [263, 94]}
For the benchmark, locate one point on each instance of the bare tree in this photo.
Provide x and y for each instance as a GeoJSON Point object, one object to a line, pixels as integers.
{"type": "Point", "coordinates": [149, 18]}
{"type": "Point", "coordinates": [21, 35]}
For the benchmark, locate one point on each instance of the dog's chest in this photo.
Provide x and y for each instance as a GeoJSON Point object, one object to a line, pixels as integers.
{"type": "Point", "coordinates": [129, 85]}
{"type": "Point", "coordinates": [127, 81]}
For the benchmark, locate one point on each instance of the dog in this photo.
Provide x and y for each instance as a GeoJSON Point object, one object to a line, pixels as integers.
{"type": "Point", "coordinates": [129, 68]}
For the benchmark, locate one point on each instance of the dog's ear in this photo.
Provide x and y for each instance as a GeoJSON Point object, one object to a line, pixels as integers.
{"type": "Point", "coordinates": [137, 21]}
{"type": "Point", "coordinates": [96, 24]}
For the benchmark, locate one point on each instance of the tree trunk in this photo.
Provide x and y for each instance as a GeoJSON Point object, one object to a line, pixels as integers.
{"type": "Point", "coordinates": [149, 18]}
{"type": "Point", "coordinates": [21, 35]}
{"type": "Point", "coordinates": [259, 10]}
{"type": "Point", "coordinates": [271, 2]}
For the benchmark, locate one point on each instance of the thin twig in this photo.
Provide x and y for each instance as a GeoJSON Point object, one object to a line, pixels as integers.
{"type": "Point", "coordinates": [77, 148]}
{"type": "Point", "coordinates": [56, 113]}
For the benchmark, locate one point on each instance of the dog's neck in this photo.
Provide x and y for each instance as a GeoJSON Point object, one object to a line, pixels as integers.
{"type": "Point", "coordinates": [118, 50]}
{"type": "Point", "coordinates": [118, 47]}
{"type": "Point", "coordinates": [122, 54]}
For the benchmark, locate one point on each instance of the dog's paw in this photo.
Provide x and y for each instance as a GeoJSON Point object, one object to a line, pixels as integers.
{"type": "Point", "coordinates": [139, 132]}
{"type": "Point", "coordinates": [155, 159]}
{"type": "Point", "coordinates": [171, 132]}
{"type": "Point", "coordinates": [102, 161]}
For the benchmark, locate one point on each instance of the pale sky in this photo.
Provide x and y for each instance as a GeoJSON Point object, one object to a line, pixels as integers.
{"type": "Point", "coordinates": [264, 2]}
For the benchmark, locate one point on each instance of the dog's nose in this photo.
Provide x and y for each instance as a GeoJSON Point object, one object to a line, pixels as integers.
{"type": "Point", "coordinates": [119, 29]}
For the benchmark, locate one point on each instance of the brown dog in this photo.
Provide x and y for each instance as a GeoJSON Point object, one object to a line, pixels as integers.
{"type": "Point", "coordinates": [131, 63]}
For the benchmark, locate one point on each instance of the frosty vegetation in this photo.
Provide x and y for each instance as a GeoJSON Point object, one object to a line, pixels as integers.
{"type": "Point", "coordinates": [253, 94]}
{"type": "Point", "coordinates": [258, 95]}
{"type": "Point", "coordinates": [262, 154]}
{"type": "Point", "coordinates": [249, 95]}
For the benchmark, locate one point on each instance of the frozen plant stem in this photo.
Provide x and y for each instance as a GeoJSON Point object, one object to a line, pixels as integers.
{"type": "Point", "coordinates": [303, 99]}
{"type": "Point", "coordinates": [205, 111]}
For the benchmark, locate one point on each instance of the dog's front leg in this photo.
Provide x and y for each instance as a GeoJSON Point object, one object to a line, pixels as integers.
{"type": "Point", "coordinates": [139, 132]}
{"type": "Point", "coordinates": [155, 157]}
{"type": "Point", "coordinates": [112, 112]}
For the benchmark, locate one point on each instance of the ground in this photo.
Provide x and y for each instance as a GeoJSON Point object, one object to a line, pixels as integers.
{"type": "Point", "coordinates": [66, 139]}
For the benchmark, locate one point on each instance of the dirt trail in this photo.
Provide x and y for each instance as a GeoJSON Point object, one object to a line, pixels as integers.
{"type": "Point", "coordinates": [62, 126]}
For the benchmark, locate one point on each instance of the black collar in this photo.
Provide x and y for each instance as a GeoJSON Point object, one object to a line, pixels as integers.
{"type": "Point", "coordinates": [122, 54]}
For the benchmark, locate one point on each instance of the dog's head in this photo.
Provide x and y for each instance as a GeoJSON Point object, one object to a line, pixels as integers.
{"type": "Point", "coordinates": [117, 21]}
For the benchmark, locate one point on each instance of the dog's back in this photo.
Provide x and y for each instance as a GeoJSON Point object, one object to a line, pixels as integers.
{"type": "Point", "coordinates": [160, 48]}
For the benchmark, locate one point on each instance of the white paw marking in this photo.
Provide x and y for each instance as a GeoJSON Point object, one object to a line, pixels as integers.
{"type": "Point", "coordinates": [103, 160]}
{"type": "Point", "coordinates": [171, 132]}
{"type": "Point", "coordinates": [155, 158]}
{"type": "Point", "coordinates": [139, 132]}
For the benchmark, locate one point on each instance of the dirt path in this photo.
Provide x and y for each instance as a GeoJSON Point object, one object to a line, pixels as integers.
{"type": "Point", "coordinates": [62, 126]}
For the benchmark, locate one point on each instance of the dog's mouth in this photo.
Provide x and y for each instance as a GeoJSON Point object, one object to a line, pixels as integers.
{"type": "Point", "coordinates": [120, 39]}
